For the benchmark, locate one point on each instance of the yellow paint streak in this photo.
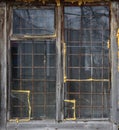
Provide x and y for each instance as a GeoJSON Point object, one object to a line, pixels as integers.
{"type": "Point", "coordinates": [86, 80]}
{"type": "Point", "coordinates": [58, 2]}
{"type": "Point", "coordinates": [118, 47]}
{"type": "Point", "coordinates": [108, 44]}
{"type": "Point", "coordinates": [73, 108]}
{"type": "Point", "coordinates": [44, 36]}
{"type": "Point", "coordinates": [118, 36]}
{"type": "Point", "coordinates": [65, 49]}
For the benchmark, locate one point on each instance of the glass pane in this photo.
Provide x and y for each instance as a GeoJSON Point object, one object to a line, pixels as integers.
{"type": "Point", "coordinates": [26, 60]}
{"type": "Point", "coordinates": [26, 73]}
{"type": "Point", "coordinates": [50, 111]}
{"type": "Point", "coordinates": [26, 48]}
{"type": "Point", "coordinates": [35, 72]}
{"type": "Point", "coordinates": [39, 60]}
{"type": "Point", "coordinates": [39, 86]}
{"type": "Point", "coordinates": [51, 86]}
{"type": "Point", "coordinates": [85, 100]}
{"type": "Point", "coordinates": [27, 85]}
{"type": "Point", "coordinates": [38, 113]}
{"type": "Point", "coordinates": [20, 105]}
{"type": "Point", "coordinates": [39, 73]}
{"type": "Point", "coordinates": [16, 73]}
{"type": "Point", "coordinates": [85, 112]}
{"type": "Point", "coordinates": [50, 98]}
{"type": "Point", "coordinates": [34, 21]}
{"type": "Point", "coordinates": [86, 31]}
{"type": "Point", "coordinates": [15, 84]}
{"type": "Point", "coordinates": [85, 87]}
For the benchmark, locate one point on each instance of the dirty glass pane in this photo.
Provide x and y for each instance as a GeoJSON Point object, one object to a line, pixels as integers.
{"type": "Point", "coordinates": [34, 70]}
{"type": "Point", "coordinates": [34, 21]}
{"type": "Point", "coordinates": [20, 104]}
{"type": "Point", "coordinates": [87, 61]}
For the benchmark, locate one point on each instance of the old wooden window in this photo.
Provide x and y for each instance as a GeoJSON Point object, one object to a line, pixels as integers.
{"type": "Point", "coordinates": [84, 60]}
{"type": "Point", "coordinates": [33, 64]}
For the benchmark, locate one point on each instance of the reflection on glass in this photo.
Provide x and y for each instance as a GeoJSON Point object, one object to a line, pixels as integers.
{"type": "Point", "coordinates": [33, 21]}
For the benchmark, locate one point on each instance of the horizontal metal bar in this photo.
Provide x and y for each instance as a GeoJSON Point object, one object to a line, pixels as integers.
{"type": "Point", "coordinates": [33, 80]}
{"type": "Point", "coordinates": [34, 54]}
{"type": "Point", "coordinates": [91, 93]}
{"type": "Point", "coordinates": [35, 67]}
{"type": "Point", "coordinates": [78, 67]}
{"type": "Point", "coordinates": [92, 107]}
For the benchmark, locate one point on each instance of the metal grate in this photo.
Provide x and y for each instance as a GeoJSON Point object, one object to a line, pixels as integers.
{"type": "Point", "coordinates": [87, 61]}
{"type": "Point", "coordinates": [33, 65]}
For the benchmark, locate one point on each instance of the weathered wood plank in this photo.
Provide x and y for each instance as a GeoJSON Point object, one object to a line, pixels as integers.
{"type": "Point", "coordinates": [58, 66]}
{"type": "Point", "coordinates": [114, 72]}
{"type": "Point", "coordinates": [3, 64]}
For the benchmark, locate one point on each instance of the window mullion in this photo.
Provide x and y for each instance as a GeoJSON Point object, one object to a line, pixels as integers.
{"type": "Point", "coordinates": [58, 65]}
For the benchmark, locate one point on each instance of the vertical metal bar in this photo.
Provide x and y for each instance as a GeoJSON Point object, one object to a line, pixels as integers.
{"type": "Point", "coordinates": [32, 107]}
{"type": "Point", "coordinates": [20, 65]}
{"type": "Point", "coordinates": [20, 26]}
{"type": "Point", "coordinates": [79, 55]}
{"type": "Point", "coordinates": [91, 66]}
{"type": "Point", "coordinates": [102, 83]}
{"type": "Point", "coordinates": [45, 77]}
